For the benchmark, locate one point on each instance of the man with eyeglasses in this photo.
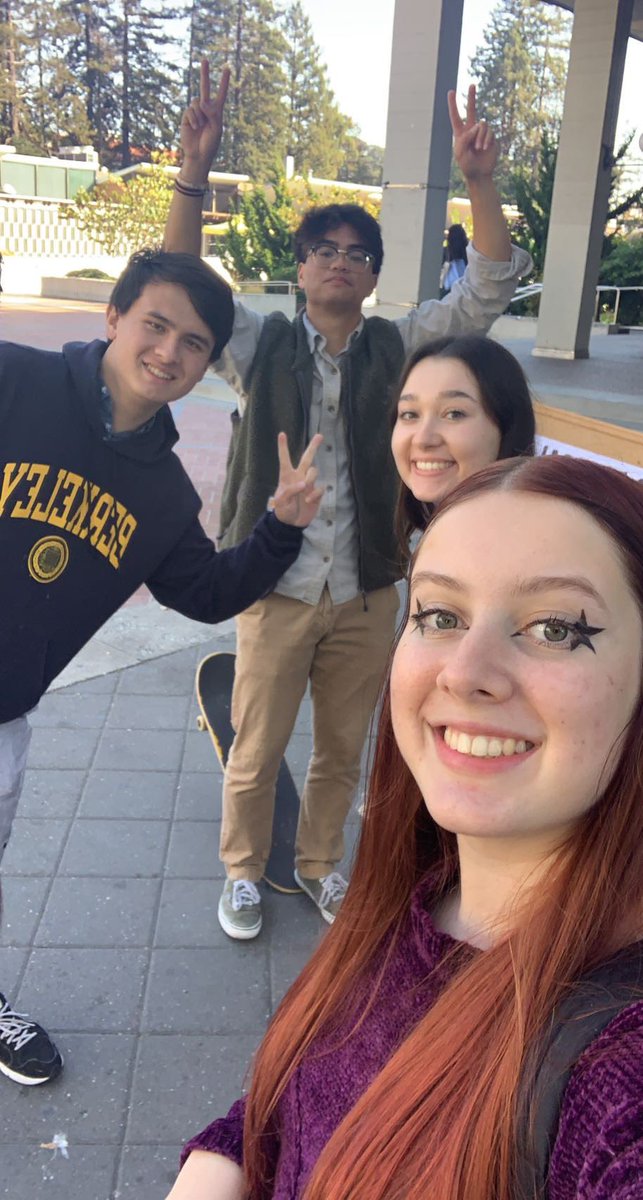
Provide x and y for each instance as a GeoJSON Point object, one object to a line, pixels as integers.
{"type": "Point", "coordinates": [330, 621]}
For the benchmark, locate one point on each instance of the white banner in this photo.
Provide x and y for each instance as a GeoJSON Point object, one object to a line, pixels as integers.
{"type": "Point", "coordinates": [546, 445]}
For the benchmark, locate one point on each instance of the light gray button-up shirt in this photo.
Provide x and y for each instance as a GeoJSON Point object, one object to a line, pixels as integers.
{"type": "Point", "coordinates": [329, 553]}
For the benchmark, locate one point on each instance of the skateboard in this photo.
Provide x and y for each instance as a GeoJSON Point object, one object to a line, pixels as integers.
{"type": "Point", "coordinates": [214, 680]}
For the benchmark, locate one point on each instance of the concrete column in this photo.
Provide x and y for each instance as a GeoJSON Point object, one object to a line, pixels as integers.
{"type": "Point", "coordinates": [581, 189]}
{"type": "Point", "coordinates": [417, 159]}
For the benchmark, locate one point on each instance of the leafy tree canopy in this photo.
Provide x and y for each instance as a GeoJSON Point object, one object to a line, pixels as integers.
{"type": "Point", "coordinates": [116, 74]}
{"type": "Point", "coordinates": [123, 216]}
{"type": "Point", "coordinates": [520, 69]}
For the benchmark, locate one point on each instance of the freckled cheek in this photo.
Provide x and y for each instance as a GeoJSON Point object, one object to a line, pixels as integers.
{"type": "Point", "coordinates": [412, 684]}
{"type": "Point", "coordinates": [590, 718]}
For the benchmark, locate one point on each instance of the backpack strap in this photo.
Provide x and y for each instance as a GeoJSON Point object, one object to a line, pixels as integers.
{"type": "Point", "coordinates": [577, 1021]}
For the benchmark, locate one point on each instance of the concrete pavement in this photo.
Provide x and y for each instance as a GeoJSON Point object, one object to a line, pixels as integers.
{"type": "Point", "coordinates": [110, 939]}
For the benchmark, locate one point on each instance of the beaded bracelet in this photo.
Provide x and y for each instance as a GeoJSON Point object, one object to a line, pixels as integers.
{"type": "Point", "coordinates": [188, 189]}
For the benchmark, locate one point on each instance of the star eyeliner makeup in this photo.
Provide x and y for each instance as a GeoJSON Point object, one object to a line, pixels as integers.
{"type": "Point", "coordinates": [583, 633]}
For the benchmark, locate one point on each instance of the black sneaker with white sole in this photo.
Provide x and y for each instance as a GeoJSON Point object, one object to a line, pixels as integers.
{"type": "Point", "coordinates": [27, 1053]}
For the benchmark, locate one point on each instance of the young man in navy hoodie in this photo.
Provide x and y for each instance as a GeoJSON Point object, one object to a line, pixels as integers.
{"type": "Point", "coordinates": [94, 502]}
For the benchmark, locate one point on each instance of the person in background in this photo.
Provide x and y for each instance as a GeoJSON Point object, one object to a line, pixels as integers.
{"type": "Point", "coordinates": [330, 622]}
{"type": "Point", "coordinates": [461, 403]}
{"type": "Point", "coordinates": [455, 257]}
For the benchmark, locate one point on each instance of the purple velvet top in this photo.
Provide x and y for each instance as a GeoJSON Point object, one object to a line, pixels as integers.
{"type": "Point", "coordinates": [598, 1153]}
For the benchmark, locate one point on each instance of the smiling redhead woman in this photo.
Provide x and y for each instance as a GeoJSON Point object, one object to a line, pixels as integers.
{"type": "Point", "coordinates": [500, 864]}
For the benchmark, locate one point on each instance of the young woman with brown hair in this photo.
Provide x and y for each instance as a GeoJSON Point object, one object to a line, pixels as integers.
{"type": "Point", "coordinates": [461, 404]}
{"type": "Point", "coordinates": [500, 862]}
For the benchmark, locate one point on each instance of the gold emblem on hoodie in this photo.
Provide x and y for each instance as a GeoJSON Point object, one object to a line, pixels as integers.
{"type": "Point", "coordinates": [48, 559]}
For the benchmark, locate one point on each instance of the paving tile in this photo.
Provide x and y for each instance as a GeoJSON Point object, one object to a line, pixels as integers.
{"type": "Point", "coordinates": [198, 796]}
{"type": "Point", "coordinates": [290, 919]}
{"type": "Point", "coordinates": [23, 899]}
{"type": "Point", "coordinates": [148, 1173]}
{"type": "Point", "coordinates": [63, 747]}
{"type": "Point", "coordinates": [304, 719]}
{"type": "Point", "coordinates": [84, 991]}
{"type": "Point", "coordinates": [98, 847]}
{"type": "Point", "coordinates": [171, 675]}
{"type": "Point", "coordinates": [188, 914]}
{"type": "Point", "coordinates": [208, 991]}
{"type": "Point", "coordinates": [101, 685]}
{"type": "Point", "coordinates": [199, 753]}
{"type": "Point", "coordinates": [139, 795]}
{"type": "Point", "coordinates": [201, 1077]}
{"type": "Point", "coordinates": [351, 834]}
{"type": "Point", "coordinates": [71, 709]}
{"type": "Point", "coordinates": [28, 1171]}
{"type": "Point", "coordinates": [194, 851]}
{"type": "Point", "coordinates": [99, 912]}
{"type": "Point", "coordinates": [354, 816]}
{"type": "Point", "coordinates": [286, 963]}
{"type": "Point", "coordinates": [148, 712]}
{"type": "Point", "coordinates": [298, 753]}
{"type": "Point", "coordinates": [35, 846]}
{"type": "Point", "coordinates": [51, 793]}
{"type": "Point", "coordinates": [12, 961]}
{"type": "Point", "coordinates": [88, 1101]}
{"type": "Point", "coordinates": [152, 749]}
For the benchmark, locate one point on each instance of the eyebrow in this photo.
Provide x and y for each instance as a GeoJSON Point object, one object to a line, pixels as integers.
{"type": "Point", "coordinates": [172, 324]}
{"type": "Point", "coordinates": [447, 394]}
{"type": "Point", "coordinates": [324, 241]}
{"type": "Point", "coordinates": [523, 587]}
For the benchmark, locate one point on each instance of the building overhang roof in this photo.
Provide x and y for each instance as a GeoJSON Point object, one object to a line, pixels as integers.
{"type": "Point", "coordinates": [637, 15]}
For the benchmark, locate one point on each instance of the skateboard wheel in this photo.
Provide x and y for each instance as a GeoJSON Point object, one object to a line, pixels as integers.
{"type": "Point", "coordinates": [200, 724]}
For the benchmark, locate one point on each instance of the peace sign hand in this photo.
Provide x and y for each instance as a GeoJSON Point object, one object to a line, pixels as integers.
{"type": "Point", "coordinates": [474, 145]}
{"type": "Point", "coordinates": [202, 126]}
{"type": "Point", "coordinates": [296, 500]}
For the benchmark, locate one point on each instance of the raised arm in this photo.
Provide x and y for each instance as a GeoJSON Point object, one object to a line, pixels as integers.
{"type": "Point", "coordinates": [200, 136]}
{"type": "Point", "coordinates": [476, 152]}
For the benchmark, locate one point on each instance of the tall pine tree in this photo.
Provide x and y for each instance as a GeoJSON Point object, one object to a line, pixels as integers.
{"type": "Point", "coordinates": [13, 82]}
{"type": "Point", "coordinates": [91, 57]}
{"type": "Point", "coordinates": [520, 70]}
{"type": "Point", "coordinates": [150, 99]}
{"type": "Point", "coordinates": [247, 35]}
{"type": "Point", "coordinates": [55, 98]}
{"type": "Point", "coordinates": [319, 135]}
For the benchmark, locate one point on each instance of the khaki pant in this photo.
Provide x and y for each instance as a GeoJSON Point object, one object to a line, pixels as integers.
{"type": "Point", "coordinates": [281, 644]}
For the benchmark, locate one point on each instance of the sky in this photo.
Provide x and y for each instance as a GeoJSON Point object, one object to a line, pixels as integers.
{"type": "Point", "coordinates": [355, 40]}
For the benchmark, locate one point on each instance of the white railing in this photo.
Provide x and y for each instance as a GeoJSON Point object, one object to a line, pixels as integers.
{"type": "Point", "coordinates": [606, 287]}
{"type": "Point", "coordinates": [269, 287]}
{"type": "Point", "coordinates": [534, 289]}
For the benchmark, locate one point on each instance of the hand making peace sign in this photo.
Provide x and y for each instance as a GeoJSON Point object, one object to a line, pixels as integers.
{"type": "Point", "coordinates": [202, 123]}
{"type": "Point", "coordinates": [474, 145]}
{"type": "Point", "coordinates": [296, 499]}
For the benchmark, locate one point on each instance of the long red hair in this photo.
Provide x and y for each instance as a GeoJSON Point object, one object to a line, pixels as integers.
{"type": "Point", "coordinates": [442, 1117]}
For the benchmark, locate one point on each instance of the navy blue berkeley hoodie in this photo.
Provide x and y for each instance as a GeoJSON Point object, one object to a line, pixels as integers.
{"type": "Point", "coordinates": [85, 519]}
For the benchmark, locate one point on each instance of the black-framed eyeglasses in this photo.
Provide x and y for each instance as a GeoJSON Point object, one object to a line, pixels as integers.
{"type": "Point", "coordinates": [327, 253]}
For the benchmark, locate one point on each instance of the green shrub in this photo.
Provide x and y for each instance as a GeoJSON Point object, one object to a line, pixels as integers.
{"type": "Point", "coordinates": [90, 273]}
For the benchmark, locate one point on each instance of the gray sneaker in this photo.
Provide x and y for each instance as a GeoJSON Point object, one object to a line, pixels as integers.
{"type": "Point", "coordinates": [327, 893]}
{"type": "Point", "coordinates": [239, 909]}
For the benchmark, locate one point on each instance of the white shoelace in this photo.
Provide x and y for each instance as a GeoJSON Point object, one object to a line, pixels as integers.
{"type": "Point", "coordinates": [15, 1028]}
{"type": "Point", "coordinates": [244, 894]}
{"type": "Point", "coordinates": [333, 888]}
